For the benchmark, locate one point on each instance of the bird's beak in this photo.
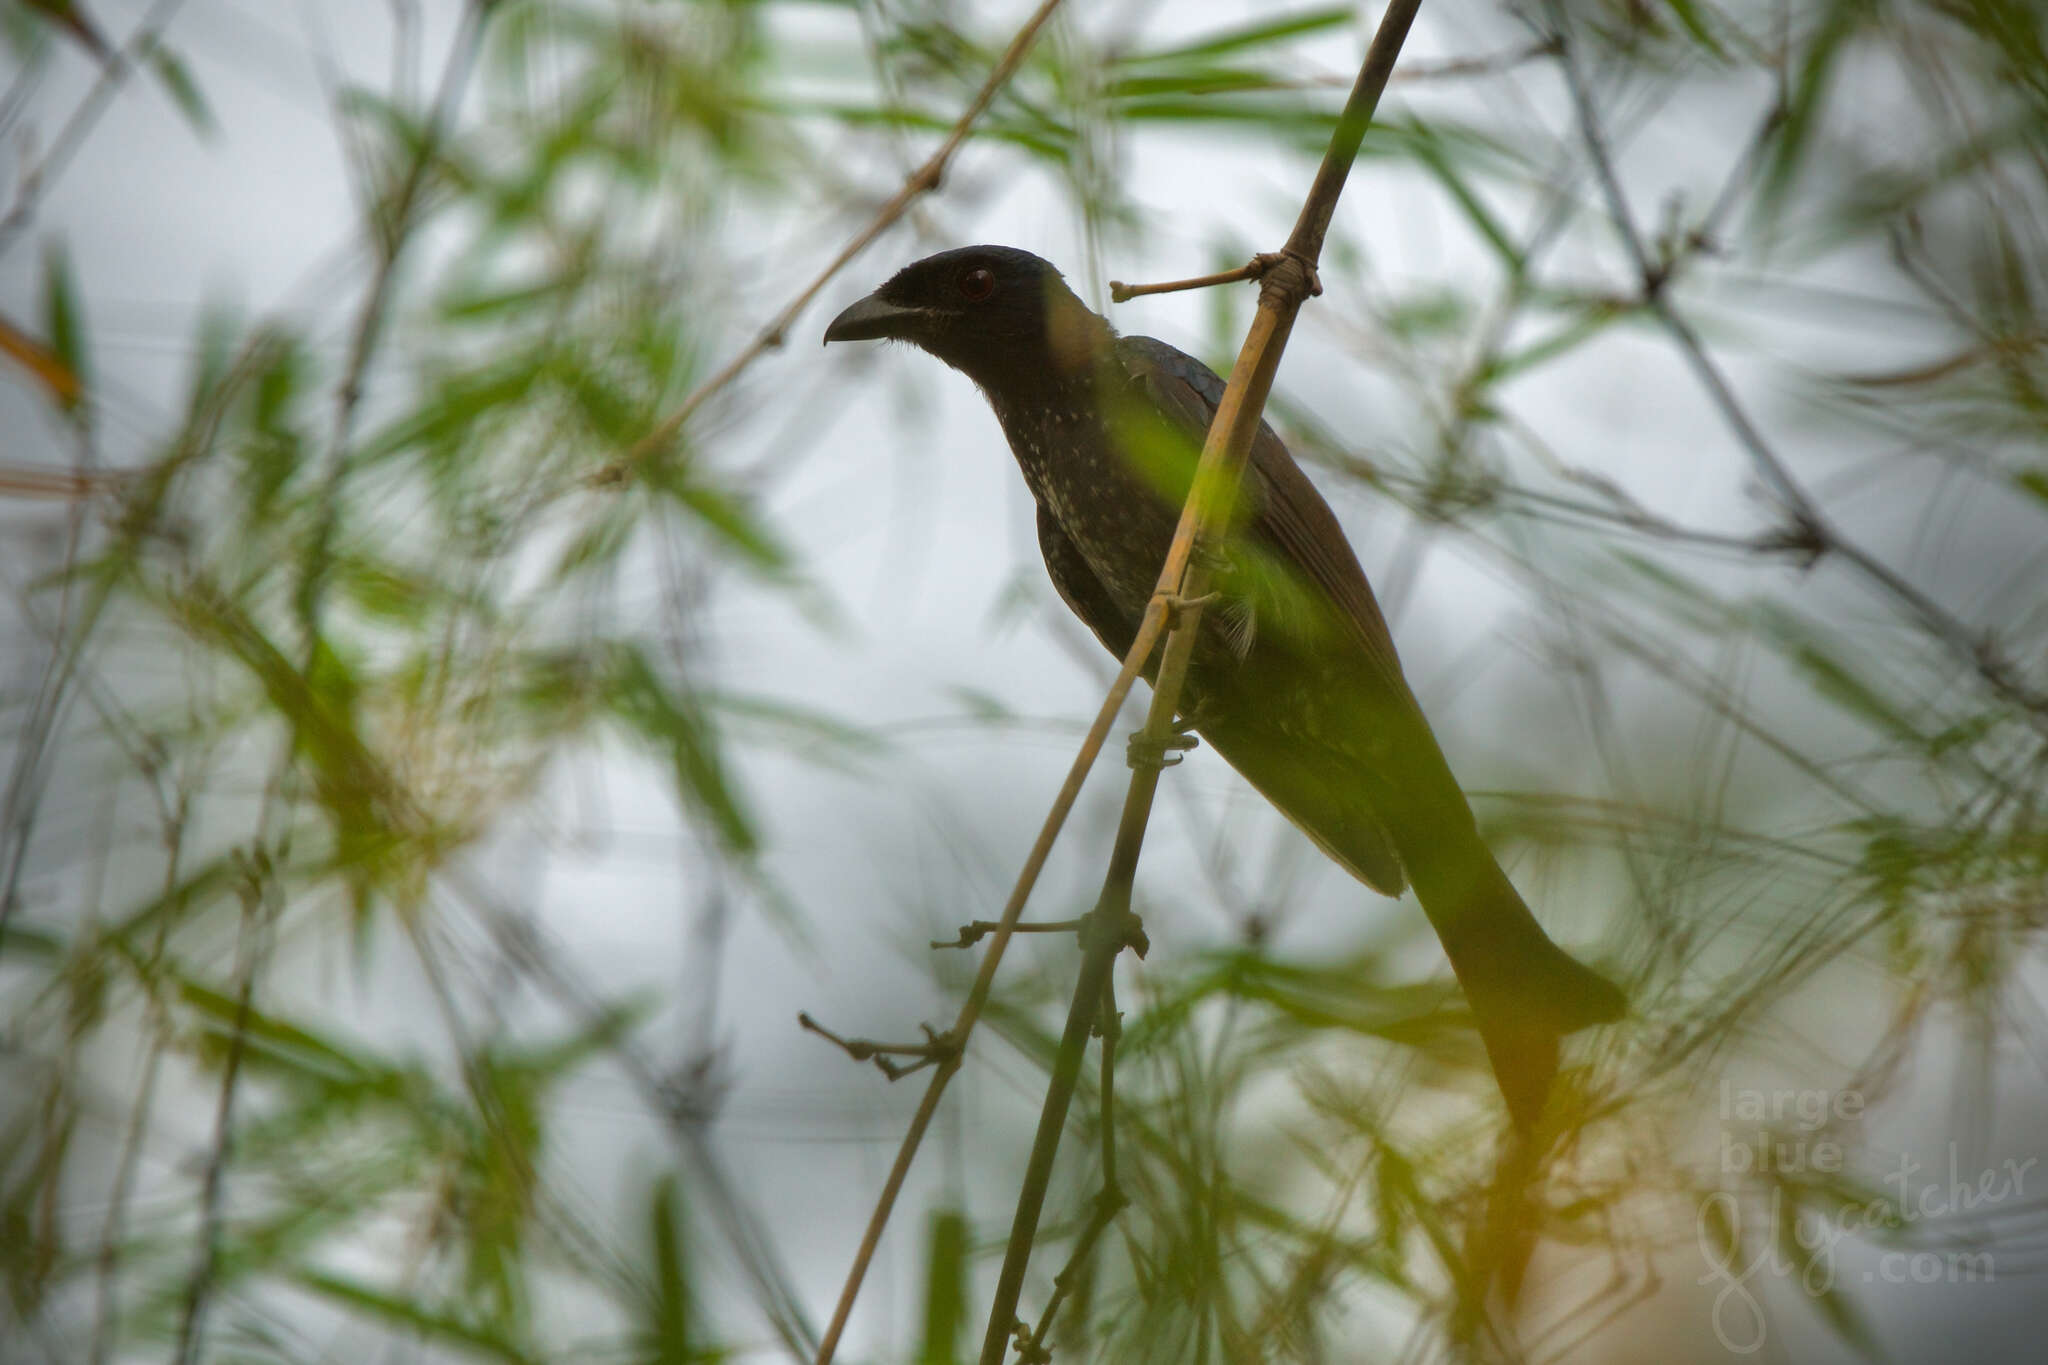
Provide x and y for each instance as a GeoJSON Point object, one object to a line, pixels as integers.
{"type": "Point", "coordinates": [870, 318]}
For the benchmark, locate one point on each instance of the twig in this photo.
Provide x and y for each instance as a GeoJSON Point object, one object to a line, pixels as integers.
{"type": "Point", "coordinates": [391, 228]}
{"type": "Point", "coordinates": [971, 934]}
{"type": "Point", "coordinates": [1257, 268]}
{"type": "Point", "coordinates": [1110, 1025]}
{"type": "Point", "coordinates": [1978, 650]}
{"type": "Point", "coordinates": [1104, 941]}
{"type": "Point", "coordinates": [936, 1048]}
{"type": "Point", "coordinates": [68, 485]}
{"type": "Point", "coordinates": [36, 180]}
{"type": "Point", "coordinates": [921, 181]}
{"type": "Point", "coordinates": [682, 1107]}
{"type": "Point", "coordinates": [270, 845]}
{"type": "Point", "coordinates": [1486, 65]}
{"type": "Point", "coordinates": [158, 1023]}
{"type": "Point", "coordinates": [1183, 579]}
{"type": "Point", "coordinates": [1451, 68]}
{"type": "Point", "coordinates": [1149, 630]}
{"type": "Point", "coordinates": [1110, 1200]}
{"type": "Point", "coordinates": [259, 906]}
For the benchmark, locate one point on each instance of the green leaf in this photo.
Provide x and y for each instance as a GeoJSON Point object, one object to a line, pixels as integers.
{"type": "Point", "coordinates": [275, 448]}
{"type": "Point", "coordinates": [478, 305]}
{"type": "Point", "coordinates": [1807, 648]}
{"type": "Point", "coordinates": [1434, 154]}
{"type": "Point", "coordinates": [598, 544]}
{"type": "Point", "coordinates": [2034, 481]}
{"type": "Point", "coordinates": [59, 379]}
{"type": "Point", "coordinates": [1263, 33]}
{"type": "Point", "coordinates": [734, 524]}
{"type": "Point", "coordinates": [811, 733]}
{"type": "Point", "coordinates": [1684, 598]}
{"type": "Point", "coordinates": [1593, 319]}
{"type": "Point", "coordinates": [383, 590]}
{"type": "Point", "coordinates": [183, 90]}
{"type": "Point", "coordinates": [945, 1288]}
{"type": "Point", "coordinates": [668, 1328]}
{"type": "Point", "coordinates": [433, 1324]}
{"type": "Point", "coordinates": [982, 706]}
{"type": "Point", "coordinates": [1434, 311]}
{"type": "Point", "coordinates": [1696, 17]}
{"type": "Point", "coordinates": [1201, 80]}
{"type": "Point", "coordinates": [64, 324]}
{"type": "Point", "coordinates": [674, 719]}
{"type": "Point", "coordinates": [273, 1044]}
{"type": "Point", "coordinates": [456, 403]}
{"type": "Point", "coordinates": [1814, 1257]}
{"type": "Point", "coordinates": [1840, 22]}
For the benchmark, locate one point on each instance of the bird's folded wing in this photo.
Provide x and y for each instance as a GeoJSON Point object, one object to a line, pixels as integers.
{"type": "Point", "coordinates": [1287, 514]}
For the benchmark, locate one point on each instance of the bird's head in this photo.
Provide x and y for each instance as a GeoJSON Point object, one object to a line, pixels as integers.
{"type": "Point", "coordinates": [1000, 315]}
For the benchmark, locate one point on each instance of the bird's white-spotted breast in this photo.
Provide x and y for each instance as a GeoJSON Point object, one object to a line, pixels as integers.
{"type": "Point", "coordinates": [1122, 527]}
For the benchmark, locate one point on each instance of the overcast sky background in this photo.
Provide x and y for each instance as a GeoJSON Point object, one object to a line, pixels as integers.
{"type": "Point", "coordinates": [899, 494]}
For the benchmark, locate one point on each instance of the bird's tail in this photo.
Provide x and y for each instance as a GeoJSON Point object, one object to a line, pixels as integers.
{"type": "Point", "coordinates": [1526, 992]}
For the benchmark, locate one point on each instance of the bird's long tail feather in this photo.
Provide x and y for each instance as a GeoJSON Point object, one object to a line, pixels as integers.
{"type": "Point", "coordinates": [1526, 992]}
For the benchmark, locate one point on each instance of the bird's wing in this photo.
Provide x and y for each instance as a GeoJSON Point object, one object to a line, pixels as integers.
{"type": "Point", "coordinates": [1286, 513]}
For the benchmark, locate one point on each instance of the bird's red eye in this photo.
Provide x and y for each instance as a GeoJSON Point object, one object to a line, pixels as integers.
{"type": "Point", "coordinates": [977, 284]}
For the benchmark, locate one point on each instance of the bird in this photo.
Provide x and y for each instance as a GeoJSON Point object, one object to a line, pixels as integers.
{"type": "Point", "coordinates": [1294, 679]}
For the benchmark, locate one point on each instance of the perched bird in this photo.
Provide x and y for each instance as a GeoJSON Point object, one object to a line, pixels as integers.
{"type": "Point", "coordinates": [1294, 678]}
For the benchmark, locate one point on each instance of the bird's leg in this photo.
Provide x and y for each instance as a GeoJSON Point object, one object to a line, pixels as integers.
{"type": "Point", "coordinates": [1142, 750]}
{"type": "Point", "coordinates": [1166, 753]}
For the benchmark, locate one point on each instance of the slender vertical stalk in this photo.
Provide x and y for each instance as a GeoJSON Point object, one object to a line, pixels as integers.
{"type": "Point", "coordinates": [1182, 581]}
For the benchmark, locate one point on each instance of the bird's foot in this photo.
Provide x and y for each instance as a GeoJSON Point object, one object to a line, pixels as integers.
{"type": "Point", "coordinates": [1176, 604]}
{"type": "Point", "coordinates": [1142, 751]}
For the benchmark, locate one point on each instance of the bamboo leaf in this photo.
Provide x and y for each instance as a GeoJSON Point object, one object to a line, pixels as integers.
{"type": "Point", "coordinates": [433, 1325]}
{"type": "Point", "coordinates": [1698, 19]}
{"type": "Point", "coordinates": [45, 365]}
{"type": "Point", "coordinates": [64, 324]}
{"type": "Point", "coordinates": [183, 90]}
{"type": "Point", "coordinates": [1839, 680]}
{"type": "Point", "coordinates": [673, 719]}
{"type": "Point", "coordinates": [945, 1288]}
{"type": "Point", "coordinates": [1258, 34]}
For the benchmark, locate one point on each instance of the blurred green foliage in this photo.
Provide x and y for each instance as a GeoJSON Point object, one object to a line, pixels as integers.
{"type": "Point", "coordinates": [338, 621]}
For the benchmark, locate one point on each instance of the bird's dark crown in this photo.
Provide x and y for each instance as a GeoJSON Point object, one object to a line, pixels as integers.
{"type": "Point", "coordinates": [1001, 315]}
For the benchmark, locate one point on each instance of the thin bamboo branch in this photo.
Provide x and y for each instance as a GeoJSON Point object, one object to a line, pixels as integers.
{"type": "Point", "coordinates": [920, 181]}
{"type": "Point", "coordinates": [1254, 269]}
{"type": "Point", "coordinates": [935, 1049]}
{"type": "Point", "coordinates": [271, 844]}
{"type": "Point", "coordinates": [391, 228]}
{"type": "Point", "coordinates": [36, 180]}
{"type": "Point", "coordinates": [971, 934]}
{"type": "Point", "coordinates": [260, 903]}
{"type": "Point", "coordinates": [1110, 1200]}
{"type": "Point", "coordinates": [1149, 631]}
{"type": "Point", "coordinates": [1183, 581]}
{"type": "Point", "coordinates": [107, 1261]}
{"type": "Point", "coordinates": [679, 1105]}
{"type": "Point", "coordinates": [1978, 650]}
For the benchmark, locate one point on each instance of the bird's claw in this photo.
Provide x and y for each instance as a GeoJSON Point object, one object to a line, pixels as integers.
{"type": "Point", "coordinates": [1142, 751]}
